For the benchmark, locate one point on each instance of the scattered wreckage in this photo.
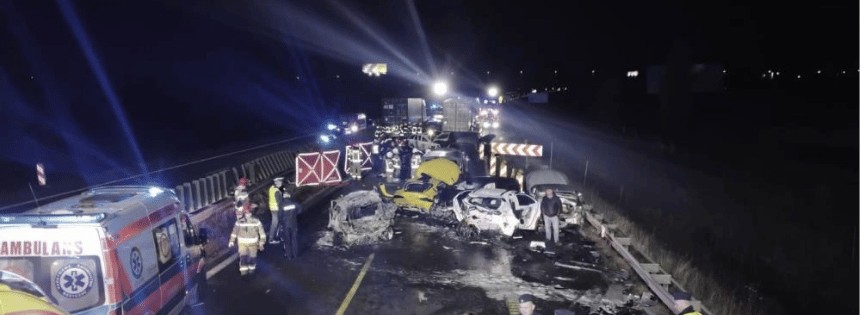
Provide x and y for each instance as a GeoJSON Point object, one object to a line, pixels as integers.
{"type": "Point", "coordinates": [361, 217]}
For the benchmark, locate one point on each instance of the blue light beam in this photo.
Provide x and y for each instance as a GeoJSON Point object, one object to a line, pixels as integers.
{"type": "Point", "coordinates": [95, 65]}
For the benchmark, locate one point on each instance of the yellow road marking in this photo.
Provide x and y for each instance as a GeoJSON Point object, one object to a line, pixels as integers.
{"type": "Point", "coordinates": [348, 298]}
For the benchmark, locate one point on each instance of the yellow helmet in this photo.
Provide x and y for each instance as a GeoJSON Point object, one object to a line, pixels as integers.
{"type": "Point", "coordinates": [19, 296]}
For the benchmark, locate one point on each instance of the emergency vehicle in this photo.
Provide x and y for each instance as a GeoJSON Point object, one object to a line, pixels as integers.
{"type": "Point", "coordinates": [110, 250]}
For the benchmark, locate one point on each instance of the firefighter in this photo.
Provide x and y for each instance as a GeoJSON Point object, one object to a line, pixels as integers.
{"type": "Point", "coordinates": [374, 156]}
{"type": "Point", "coordinates": [277, 194]}
{"type": "Point", "coordinates": [392, 164]}
{"type": "Point", "coordinates": [355, 161]}
{"type": "Point", "coordinates": [405, 161]}
{"type": "Point", "coordinates": [251, 237]}
{"type": "Point", "coordinates": [242, 187]}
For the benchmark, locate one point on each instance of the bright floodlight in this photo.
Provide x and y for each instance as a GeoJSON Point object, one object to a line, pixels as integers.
{"type": "Point", "coordinates": [440, 88]}
{"type": "Point", "coordinates": [324, 138]}
{"type": "Point", "coordinates": [493, 91]}
{"type": "Point", "coordinates": [154, 191]}
{"type": "Point", "coordinates": [331, 127]}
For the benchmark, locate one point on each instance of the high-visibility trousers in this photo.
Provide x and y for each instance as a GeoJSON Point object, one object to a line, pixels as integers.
{"type": "Point", "coordinates": [247, 257]}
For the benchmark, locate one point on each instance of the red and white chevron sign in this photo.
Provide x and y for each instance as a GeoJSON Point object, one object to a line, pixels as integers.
{"type": "Point", "coordinates": [517, 149]}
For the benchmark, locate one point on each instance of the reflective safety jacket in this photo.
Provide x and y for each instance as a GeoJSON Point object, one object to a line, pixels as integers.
{"type": "Point", "coordinates": [247, 230]}
{"type": "Point", "coordinates": [689, 311]}
{"type": "Point", "coordinates": [276, 198]}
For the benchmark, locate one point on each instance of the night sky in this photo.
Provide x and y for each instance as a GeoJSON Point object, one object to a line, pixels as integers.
{"type": "Point", "coordinates": [197, 76]}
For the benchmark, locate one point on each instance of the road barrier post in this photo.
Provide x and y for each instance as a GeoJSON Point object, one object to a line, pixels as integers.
{"type": "Point", "coordinates": [584, 176]}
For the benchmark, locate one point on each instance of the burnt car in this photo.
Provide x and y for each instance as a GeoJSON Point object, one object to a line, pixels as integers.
{"type": "Point", "coordinates": [361, 217]}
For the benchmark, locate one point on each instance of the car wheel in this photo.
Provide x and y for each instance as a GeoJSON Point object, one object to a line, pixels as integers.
{"type": "Point", "coordinates": [196, 295]}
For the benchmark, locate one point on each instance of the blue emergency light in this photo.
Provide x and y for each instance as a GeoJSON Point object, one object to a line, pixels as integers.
{"type": "Point", "coordinates": [45, 219]}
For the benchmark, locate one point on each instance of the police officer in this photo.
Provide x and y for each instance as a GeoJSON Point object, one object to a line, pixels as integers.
{"type": "Point", "coordinates": [291, 227]}
{"type": "Point", "coordinates": [251, 237]}
{"type": "Point", "coordinates": [527, 305]}
{"type": "Point", "coordinates": [682, 303]}
{"type": "Point", "coordinates": [277, 194]}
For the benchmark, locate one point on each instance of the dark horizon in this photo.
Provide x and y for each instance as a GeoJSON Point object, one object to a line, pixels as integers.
{"type": "Point", "coordinates": [262, 71]}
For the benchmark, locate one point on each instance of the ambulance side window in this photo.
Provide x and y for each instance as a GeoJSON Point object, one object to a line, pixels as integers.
{"type": "Point", "coordinates": [166, 238]}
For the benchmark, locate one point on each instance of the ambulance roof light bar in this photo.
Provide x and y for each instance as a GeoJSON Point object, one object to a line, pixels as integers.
{"type": "Point", "coordinates": [45, 219]}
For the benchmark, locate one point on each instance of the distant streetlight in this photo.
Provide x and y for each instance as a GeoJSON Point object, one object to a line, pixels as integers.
{"type": "Point", "coordinates": [440, 88]}
{"type": "Point", "coordinates": [493, 91]}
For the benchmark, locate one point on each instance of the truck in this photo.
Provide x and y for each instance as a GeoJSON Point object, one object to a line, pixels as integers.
{"type": "Point", "coordinates": [457, 114]}
{"type": "Point", "coordinates": [397, 111]}
{"type": "Point", "coordinates": [352, 123]}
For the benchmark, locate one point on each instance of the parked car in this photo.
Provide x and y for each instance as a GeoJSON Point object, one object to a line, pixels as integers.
{"type": "Point", "coordinates": [493, 209]}
{"type": "Point", "coordinates": [419, 193]}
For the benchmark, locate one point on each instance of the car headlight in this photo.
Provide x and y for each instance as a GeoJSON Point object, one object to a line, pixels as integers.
{"type": "Point", "coordinates": [290, 207]}
{"type": "Point", "coordinates": [496, 124]}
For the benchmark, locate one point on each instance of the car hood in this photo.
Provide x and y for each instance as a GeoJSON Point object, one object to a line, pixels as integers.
{"type": "Point", "coordinates": [442, 170]}
{"type": "Point", "coordinates": [545, 177]}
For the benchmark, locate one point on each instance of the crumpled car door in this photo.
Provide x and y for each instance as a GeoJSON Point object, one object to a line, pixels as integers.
{"type": "Point", "coordinates": [530, 212]}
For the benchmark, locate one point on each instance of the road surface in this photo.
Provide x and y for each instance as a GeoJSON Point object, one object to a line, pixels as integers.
{"type": "Point", "coordinates": [425, 269]}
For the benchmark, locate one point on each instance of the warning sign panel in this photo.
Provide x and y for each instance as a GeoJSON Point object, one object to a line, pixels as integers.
{"type": "Point", "coordinates": [317, 168]}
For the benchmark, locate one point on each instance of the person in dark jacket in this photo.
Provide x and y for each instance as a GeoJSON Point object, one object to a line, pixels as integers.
{"type": "Point", "coordinates": [550, 207]}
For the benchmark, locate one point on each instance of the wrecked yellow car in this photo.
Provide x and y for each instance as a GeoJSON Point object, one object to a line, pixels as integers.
{"type": "Point", "coordinates": [420, 192]}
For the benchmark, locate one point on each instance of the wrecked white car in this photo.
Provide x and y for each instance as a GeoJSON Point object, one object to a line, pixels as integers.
{"type": "Point", "coordinates": [361, 217]}
{"type": "Point", "coordinates": [491, 209]}
{"type": "Point", "coordinates": [538, 181]}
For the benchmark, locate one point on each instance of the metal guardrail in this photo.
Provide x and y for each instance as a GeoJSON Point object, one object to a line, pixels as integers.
{"type": "Point", "coordinates": [200, 193]}
{"type": "Point", "coordinates": [655, 277]}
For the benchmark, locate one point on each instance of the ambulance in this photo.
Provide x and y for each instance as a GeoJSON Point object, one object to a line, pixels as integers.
{"type": "Point", "coordinates": [110, 250]}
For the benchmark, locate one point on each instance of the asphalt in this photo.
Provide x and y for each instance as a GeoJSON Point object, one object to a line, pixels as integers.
{"type": "Point", "coordinates": [425, 269]}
